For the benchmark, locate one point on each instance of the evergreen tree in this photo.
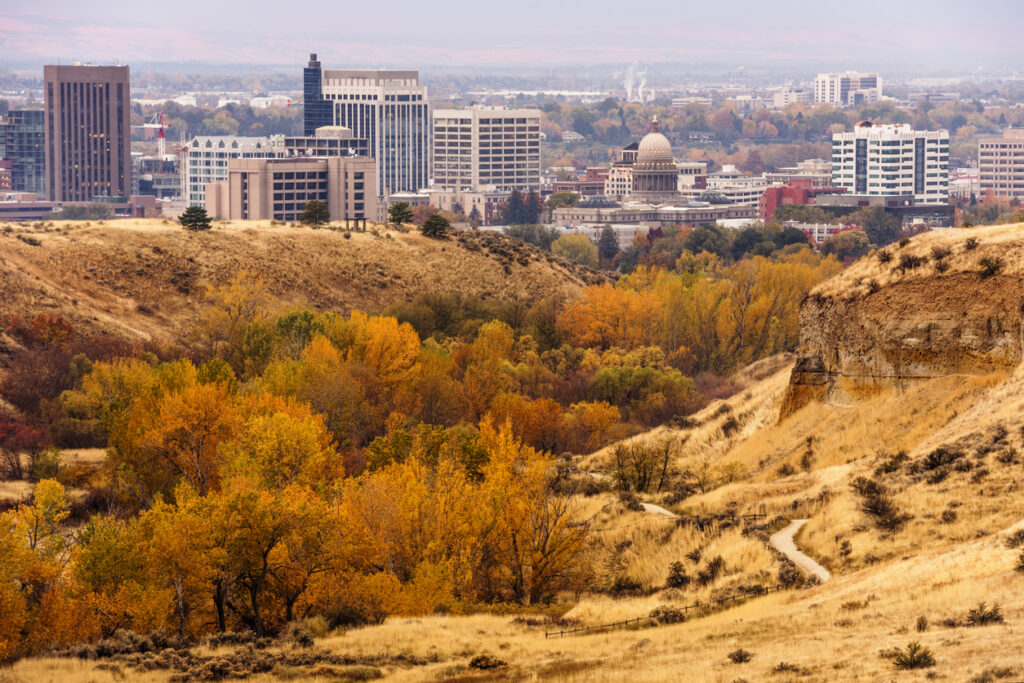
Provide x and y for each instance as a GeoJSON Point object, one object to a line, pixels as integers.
{"type": "Point", "coordinates": [400, 213]}
{"type": "Point", "coordinates": [474, 216]}
{"type": "Point", "coordinates": [315, 213]}
{"type": "Point", "coordinates": [514, 212]}
{"type": "Point", "coordinates": [436, 226]}
{"type": "Point", "coordinates": [607, 244]}
{"type": "Point", "coordinates": [195, 218]}
{"type": "Point", "coordinates": [533, 208]}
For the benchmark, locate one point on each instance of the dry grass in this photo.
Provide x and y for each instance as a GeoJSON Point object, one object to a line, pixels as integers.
{"type": "Point", "coordinates": [143, 279]}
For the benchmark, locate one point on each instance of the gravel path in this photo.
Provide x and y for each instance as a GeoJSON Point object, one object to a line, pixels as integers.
{"type": "Point", "coordinates": [658, 510]}
{"type": "Point", "coordinates": [783, 542]}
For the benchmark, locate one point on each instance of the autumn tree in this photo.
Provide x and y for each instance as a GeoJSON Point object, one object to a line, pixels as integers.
{"type": "Point", "coordinates": [578, 248]}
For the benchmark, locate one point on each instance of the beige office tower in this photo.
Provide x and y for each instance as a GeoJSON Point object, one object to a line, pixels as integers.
{"type": "Point", "coordinates": [87, 132]}
{"type": "Point", "coordinates": [1001, 163]}
{"type": "Point", "coordinates": [280, 189]}
{"type": "Point", "coordinates": [486, 148]}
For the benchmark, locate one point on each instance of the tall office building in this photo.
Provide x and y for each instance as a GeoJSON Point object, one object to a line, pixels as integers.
{"type": "Point", "coordinates": [317, 111]}
{"type": "Point", "coordinates": [892, 159]}
{"type": "Point", "coordinates": [206, 160]}
{"type": "Point", "coordinates": [389, 110]}
{"type": "Point", "coordinates": [23, 143]}
{"type": "Point", "coordinates": [1001, 163]}
{"type": "Point", "coordinates": [486, 147]}
{"type": "Point", "coordinates": [848, 89]}
{"type": "Point", "coordinates": [87, 132]}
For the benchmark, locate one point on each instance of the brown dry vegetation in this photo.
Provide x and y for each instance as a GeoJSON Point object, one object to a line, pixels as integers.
{"type": "Point", "coordinates": [145, 279]}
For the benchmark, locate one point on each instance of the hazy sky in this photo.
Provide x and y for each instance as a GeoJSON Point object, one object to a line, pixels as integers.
{"type": "Point", "coordinates": [939, 33]}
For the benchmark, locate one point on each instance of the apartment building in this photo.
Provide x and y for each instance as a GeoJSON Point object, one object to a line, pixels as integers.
{"type": "Point", "coordinates": [486, 147]}
{"type": "Point", "coordinates": [207, 158]}
{"type": "Point", "coordinates": [1001, 163]}
{"type": "Point", "coordinates": [280, 189]}
{"type": "Point", "coordinates": [87, 131]}
{"type": "Point", "coordinates": [23, 140]}
{"type": "Point", "coordinates": [892, 159]}
{"type": "Point", "coordinates": [386, 108]}
{"type": "Point", "coordinates": [847, 89]}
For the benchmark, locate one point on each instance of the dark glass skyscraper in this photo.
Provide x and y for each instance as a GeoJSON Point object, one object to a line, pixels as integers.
{"type": "Point", "coordinates": [316, 111]}
{"type": "Point", "coordinates": [23, 145]}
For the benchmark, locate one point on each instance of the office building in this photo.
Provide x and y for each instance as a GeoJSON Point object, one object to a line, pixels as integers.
{"type": "Point", "coordinates": [848, 89]}
{"type": "Point", "coordinates": [207, 157]}
{"type": "Point", "coordinates": [486, 147]}
{"type": "Point", "coordinates": [1001, 163]}
{"type": "Point", "coordinates": [24, 146]}
{"type": "Point", "coordinates": [327, 141]}
{"type": "Point", "coordinates": [386, 108]}
{"type": "Point", "coordinates": [892, 159]}
{"type": "Point", "coordinates": [317, 111]}
{"type": "Point", "coordinates": [783, 98]}
{"type": "Point", "coordinates": [87, 132]}
{"type": "Point", "coordinates": [280, 189]}
{"type": "Point", "coordinates": [728, 186]}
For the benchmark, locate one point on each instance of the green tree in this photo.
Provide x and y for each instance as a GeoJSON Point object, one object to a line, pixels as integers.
{"type": "Point", "coordinates": [474, 216]}
{"type": "Point", "coordinates": [560, 199]}
{"type": "Point", "coordinates": [436, 226]}
{"type": "Point", "coordinates": [847, 246]}
{"type": "Point", "coordinates": [514, 212]}
{"type": "Point", "coordinates": [607, 243]}
{"type": "Point", "coordinates": [195, 218]}
{"type": "Point", "coordinates": [710, 238]}
{"type": "Point", "coordinates": [882, 227]}
{"type": "Point", "coordinates": [576, 248]}
{"type": "Point", "coordinates": [537, 235]}
{"type": "Point", "coordinates": [315, 213]}
{"type": "Point", "coordinates": [400, 213]}
{"type": "Point", "coordinates": [802, 213]}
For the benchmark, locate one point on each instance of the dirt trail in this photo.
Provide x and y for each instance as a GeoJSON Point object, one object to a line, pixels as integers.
{"type": "Point", "coordinates": [783, 542]}
{"type": "Point", "coordinates": [658, 510]}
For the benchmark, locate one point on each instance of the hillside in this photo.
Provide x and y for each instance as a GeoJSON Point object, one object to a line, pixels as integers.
{"type": "Point", "coordinates": [896, 430]}
{"type": "Point", "coordinates": [145, 279]}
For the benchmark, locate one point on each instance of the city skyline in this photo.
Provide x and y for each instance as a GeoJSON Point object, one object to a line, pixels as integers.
{"type": "Point", "coordinates": [936, 35]}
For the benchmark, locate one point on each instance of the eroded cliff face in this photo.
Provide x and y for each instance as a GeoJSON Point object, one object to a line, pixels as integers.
{"type": "Point", "coordinates": [872, 337]}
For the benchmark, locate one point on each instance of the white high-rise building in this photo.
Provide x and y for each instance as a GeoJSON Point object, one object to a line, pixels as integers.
{"type": "Point", "coordinates": [848, 89]}
{"type": "Point", "coordinates": [486, 147]}
{"type": "Point", "coordinates": [206, 160]}
{"type": "Point", "coordinates": [892, 159]}
{"type": "Point", "coordinates": [389, 110]}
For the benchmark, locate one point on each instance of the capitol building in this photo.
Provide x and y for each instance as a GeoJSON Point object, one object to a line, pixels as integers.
{"type": "Point", "coordinates": [647, 187]}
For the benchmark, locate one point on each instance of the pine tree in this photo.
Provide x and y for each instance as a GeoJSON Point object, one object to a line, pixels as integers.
{"type": "Point", "coordinates": [315, 213]}
{"type": "Point", "coordinates": [533, 208]}
{"type": "Point", "coordinates": [515, 209]}
{"type": "Point", "coordinates": [436, 226]}
{"type": "Point", "coordinates": [195, 218]}
{"type": "Point", "coordinates": [607, 244]}
{"type": "Point", "coordinates": [474, 216]}
{"type": "Point", "coordinates": [400, 213]}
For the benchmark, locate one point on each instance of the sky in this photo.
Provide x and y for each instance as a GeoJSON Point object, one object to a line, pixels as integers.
{"type": "Point", "coordinates": [940, 34]}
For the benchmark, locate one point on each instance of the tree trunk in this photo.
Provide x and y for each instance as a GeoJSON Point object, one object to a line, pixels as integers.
{"type": "Point", "coordinates": [219, 596]}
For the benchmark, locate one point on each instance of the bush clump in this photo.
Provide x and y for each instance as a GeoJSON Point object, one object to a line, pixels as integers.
{"type": "Point", "coordinates": [914, 656]}
{"type": "Point", "coordinates": [990, 265]}
{"type": "Point", "coordinates": [677, 576]}
{"type": "Point", "coordinates": [740, 656]}
{"type": "Point", "coordinates": [877, 504]}
{"type": "Point", "coordinates": [667, 615]}
{"type": "Point", "coordinates": [983, 615]}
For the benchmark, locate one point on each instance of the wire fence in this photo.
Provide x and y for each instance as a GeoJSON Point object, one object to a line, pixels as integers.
{"type": "Point", "coordinates": [685, 609]}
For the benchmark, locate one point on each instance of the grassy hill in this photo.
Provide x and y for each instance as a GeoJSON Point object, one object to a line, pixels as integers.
{"type": "Point", "coordinates": [145, 279]}
{"type": "Point", "coordinates": [897, 430]}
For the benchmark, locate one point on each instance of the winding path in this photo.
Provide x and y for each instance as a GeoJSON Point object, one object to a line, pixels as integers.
{"type": "Point", "coordinates": [658, 510]}
{"type": "Point", "coordinates": [783, 542]}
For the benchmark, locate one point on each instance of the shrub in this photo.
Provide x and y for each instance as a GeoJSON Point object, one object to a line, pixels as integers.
{"type": "Point", "coordinates": [993, 674]}
{"type": "Point", "coordinates": [883, 256]}
{"type": "Point", "coordinates": [943, 455]}
{"type": "Point", "coordinates": [300, 634]}
{"type": "Point", "coordinates": [677, 577]}
{"type": "Point", "coordinates": [486, 662]}
{"type": "Point", "coordinates": [789, 575]}
{"type": "Point", "coordinates": [982, 615]}
{"type": "Point", "coordinates": [891, 464]}
{"type": "Point", "coordinates": [970, 243]}
{"type": "Point", "coordinates": [939, 253]}
{"type": "Point", "coordinates": [922, 624]}
{"type": "Point", "coordinates": [711, 571]}
{"type": "Point", "coordinates": [948, 516]}
{"type": "Point", "coordinates": [909, 262]}
{"type": "Point", "coordinates": [694, 555]}
{"type": "Point", "coordinates": [785, 470]}
{"type": "Point", "coordinates": [915, 656]}
{"type": "Point", "coordinates": [667, 615]}
{"type": "Point", "coordinates": [740, 656]}
{"type": "Point", "coordinates": [990, 265]}
{"type": "Point", "coordinates": [941, 266]}
{"type": "Point", "coordinates": [904, 242]}
{"type": "Point", "coordinates": [1016, 539]}
{"type": "Point", "coordinates": [876, 503]}
{"type": "Point", "coordinates": [785, 667]}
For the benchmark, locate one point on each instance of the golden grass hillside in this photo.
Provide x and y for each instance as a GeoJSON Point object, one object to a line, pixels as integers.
{"type": "Point", "coordinates": [145, 279]}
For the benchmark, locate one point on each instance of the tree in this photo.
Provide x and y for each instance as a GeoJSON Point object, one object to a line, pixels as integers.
{"type": "Point", "coordinates": [534, 207]}
{"type": "Point", "coordinates": [315, 213]}
{"type": "Point", "coordinates": [436, 226]}
{"type": "Point", "coordinates": [399, 213]}
{"type": "Point", "coordinates": [560, 199]}
{"type": "Point", "coordinates": [195, 218]}
{"type": "Point", "coordinates": [881, 227]}
{"type": "Point", "coordinates": [576, 248]}
{"type": "Point", "coordinates": [710, 238]}
{"type": "Point", "coordinates": [607, 243]}
{"type": "Point", "coordinates": [847, 246]}
{"type": "Point", "coordinates": [474, 216]}
{"type": "Point", "coordinates": [514, 212]}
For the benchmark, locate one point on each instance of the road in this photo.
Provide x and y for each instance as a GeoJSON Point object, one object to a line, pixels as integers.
{"type": "Point", "coordinates": [783, 542]}
{"type": "Point", "coordinates": [658, 510]}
